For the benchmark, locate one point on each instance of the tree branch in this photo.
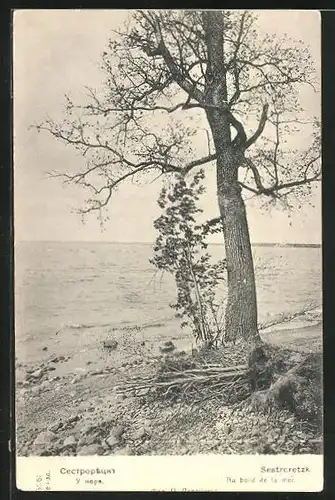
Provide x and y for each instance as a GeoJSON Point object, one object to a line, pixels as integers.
{"type": "Point", "coordinates": [164, 62]}
{"type": "Point", "coordinates": [260, 127]}
{"type": "Point", "coordinates": [301, 182]}
{"type": "Point", "coordinates": [256, 174]}
{"type": "Point", "coordinates": [175, 71]}
{"type": "Point", "coordinates": [241, 137]}
{"type": "Point", "coordinates": [272, 190]}
{"type": "Point", "coordinates": [197, 163]}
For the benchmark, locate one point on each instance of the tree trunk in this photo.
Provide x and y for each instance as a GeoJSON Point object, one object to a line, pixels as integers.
{"type": "Point", "coordinates": [241, 308]}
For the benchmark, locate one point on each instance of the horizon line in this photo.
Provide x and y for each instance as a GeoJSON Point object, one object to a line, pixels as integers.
{"type": "Point", "coordinates": [257, 243]}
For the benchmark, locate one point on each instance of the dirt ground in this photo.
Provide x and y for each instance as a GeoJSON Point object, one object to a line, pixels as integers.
{"type": "Point", "coordinates": [67, 402]}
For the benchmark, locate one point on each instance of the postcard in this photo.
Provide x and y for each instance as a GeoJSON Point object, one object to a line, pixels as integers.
{"type": "Point", "coordinates": [168, 262]}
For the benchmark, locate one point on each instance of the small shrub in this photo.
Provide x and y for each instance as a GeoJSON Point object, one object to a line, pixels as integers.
{"type": "Point", "coordinates": [181, 249]}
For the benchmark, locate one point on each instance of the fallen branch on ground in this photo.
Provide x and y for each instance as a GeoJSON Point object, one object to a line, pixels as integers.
{"type": "Point", "coordinates": [212, 378]}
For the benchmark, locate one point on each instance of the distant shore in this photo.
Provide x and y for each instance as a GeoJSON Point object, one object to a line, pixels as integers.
{"type": "Point", "coordinates": [257, 244]}
{"type": "Point", "coordinates": [285, 245]}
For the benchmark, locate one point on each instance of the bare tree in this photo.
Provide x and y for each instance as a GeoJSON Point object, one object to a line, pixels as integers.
{"type": "Point", "coordinates": [171, 65]}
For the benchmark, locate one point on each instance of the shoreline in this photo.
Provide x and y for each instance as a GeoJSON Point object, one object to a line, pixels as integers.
{"type": "Point", "coordinates": [82, 342]}
{"type": "Point", "coordinates": [80, 412]}
{"type": "Point", "coordinates": [69, 380]}
{"type": "Point", "coordinates": [303, 332]}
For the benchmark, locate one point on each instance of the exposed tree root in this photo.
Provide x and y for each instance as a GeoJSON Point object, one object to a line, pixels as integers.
{"type": "Point", "coordinates": [298, 390]}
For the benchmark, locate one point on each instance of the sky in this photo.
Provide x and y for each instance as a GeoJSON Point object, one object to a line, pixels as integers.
{"type": "Point", "coordinates": [58, 52]}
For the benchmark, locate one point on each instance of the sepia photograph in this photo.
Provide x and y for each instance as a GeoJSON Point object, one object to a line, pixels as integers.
{"type": "Point", "coordinates": [168, 247]}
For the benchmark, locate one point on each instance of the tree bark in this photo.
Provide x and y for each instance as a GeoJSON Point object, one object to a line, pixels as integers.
{"type": "Point", "coordinates": [241, 308]}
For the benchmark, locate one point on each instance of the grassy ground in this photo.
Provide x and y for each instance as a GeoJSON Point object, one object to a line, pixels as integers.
{"type": "Point", "coordinates": [67, 405]}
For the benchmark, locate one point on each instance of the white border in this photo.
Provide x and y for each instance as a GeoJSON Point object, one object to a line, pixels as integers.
{"type": "Point", "coordinates": [171, 473]}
